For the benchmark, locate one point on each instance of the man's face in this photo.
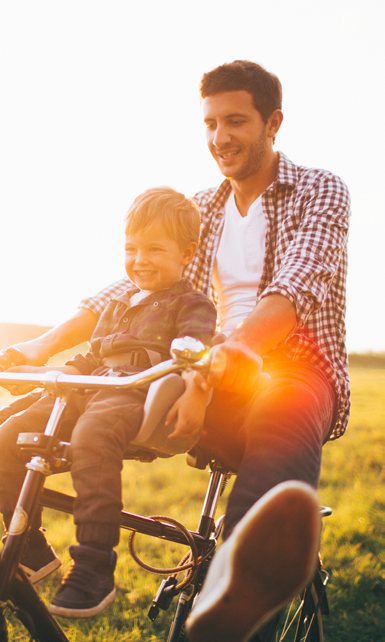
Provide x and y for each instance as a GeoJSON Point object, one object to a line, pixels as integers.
{"type": "Point", "coordinates": [236, 134]}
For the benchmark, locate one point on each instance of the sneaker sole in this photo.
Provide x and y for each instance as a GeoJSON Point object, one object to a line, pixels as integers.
{"type": "Point", "coordinates": [44, 571]}
{"type": "Point", "coordinates": [272, 557]}
{"type": "Point", "coordinates": [83, 613]}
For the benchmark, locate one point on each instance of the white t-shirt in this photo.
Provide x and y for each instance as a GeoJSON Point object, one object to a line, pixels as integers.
{"type": "Point", "coordinates": [239, 263]}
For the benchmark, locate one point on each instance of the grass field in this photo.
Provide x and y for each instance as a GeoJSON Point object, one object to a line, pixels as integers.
{"type": "Point", "coordinates": [353, 538]}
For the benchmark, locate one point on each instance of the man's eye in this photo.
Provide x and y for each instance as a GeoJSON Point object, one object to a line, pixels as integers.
{"type": "Point", "coordinates": [211, 126]}
{"type": "Point", "coordinates": [236, 123]}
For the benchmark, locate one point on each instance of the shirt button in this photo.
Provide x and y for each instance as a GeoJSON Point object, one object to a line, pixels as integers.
{"type": "Point", "coordinates": [156, 304]}
{"type": "Point", "coordinates": [125, 320]}
{"type": "Point", "coordinates": [109, 336]}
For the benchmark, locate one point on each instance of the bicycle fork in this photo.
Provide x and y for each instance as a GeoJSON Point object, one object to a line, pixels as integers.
{"type": "Point", "coordinates": [210, 532]}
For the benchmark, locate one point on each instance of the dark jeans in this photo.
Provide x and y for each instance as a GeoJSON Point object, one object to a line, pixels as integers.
{"type": "Point", "coordinates": [272, 437]}
{"type": "Point", "coordinates": [100, 426]}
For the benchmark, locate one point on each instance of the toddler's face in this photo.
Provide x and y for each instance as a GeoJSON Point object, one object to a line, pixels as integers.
{"type": "Point", "coordinates": [153, 260]}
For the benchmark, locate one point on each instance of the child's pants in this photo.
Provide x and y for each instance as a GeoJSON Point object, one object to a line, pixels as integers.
{"type": "Point", "coordinates": [100, 425]}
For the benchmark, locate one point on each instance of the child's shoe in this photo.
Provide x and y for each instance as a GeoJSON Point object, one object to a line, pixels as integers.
{"type": "Point", "coordinates": [88, 587]}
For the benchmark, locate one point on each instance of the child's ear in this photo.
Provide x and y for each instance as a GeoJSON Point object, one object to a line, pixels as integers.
{"type": "Point", "coordinates": [189, 252]}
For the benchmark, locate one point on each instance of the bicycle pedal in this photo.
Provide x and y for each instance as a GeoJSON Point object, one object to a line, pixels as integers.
{"type": "Point", "coordinates": [163, 598]}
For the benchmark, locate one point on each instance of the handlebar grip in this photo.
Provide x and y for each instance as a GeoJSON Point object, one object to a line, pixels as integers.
{"type": "Point", "coordinates": [11, 357]}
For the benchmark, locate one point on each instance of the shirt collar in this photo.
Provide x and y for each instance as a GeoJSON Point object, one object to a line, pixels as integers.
{"type": "Point", "coordinates": [180, 287]}
{"type": "Point", "coordinates": [287, 174]}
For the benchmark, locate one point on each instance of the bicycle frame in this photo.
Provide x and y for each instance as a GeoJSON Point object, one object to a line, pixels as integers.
{"type": "Point", "coordinates": [14, 585]}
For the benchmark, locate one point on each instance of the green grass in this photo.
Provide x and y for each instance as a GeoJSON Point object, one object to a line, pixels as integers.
{"type": "Point", "coordinates": [354, 536]}
{"type": "Point", "coordinates": [352, 484]}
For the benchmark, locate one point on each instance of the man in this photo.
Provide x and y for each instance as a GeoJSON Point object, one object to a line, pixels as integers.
{"type": "Point", "coordinates": [273, 249]}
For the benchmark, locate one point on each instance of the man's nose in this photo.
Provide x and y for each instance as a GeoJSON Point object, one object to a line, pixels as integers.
{"type": "Point", "coordinates": [221, 136]}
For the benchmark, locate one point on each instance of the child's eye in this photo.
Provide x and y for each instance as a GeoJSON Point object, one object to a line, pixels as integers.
{"type": "Point", "coordinates": [155, 249]}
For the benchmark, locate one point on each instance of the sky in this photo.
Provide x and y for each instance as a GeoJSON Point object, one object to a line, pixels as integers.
{"type": "Point", "coordinates": [100, 101]}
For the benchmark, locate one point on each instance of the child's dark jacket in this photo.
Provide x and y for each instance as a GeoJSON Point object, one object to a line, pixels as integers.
{"type": "Point", "coordinates": [151, 324]}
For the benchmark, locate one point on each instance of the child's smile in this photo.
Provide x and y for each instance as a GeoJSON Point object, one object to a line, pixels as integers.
{"type": "Point", "coordinates": [153, 260]}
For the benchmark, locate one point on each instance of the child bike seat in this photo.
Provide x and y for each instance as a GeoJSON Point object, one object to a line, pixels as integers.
{"type": "Point", "coordinates": [153, 433]}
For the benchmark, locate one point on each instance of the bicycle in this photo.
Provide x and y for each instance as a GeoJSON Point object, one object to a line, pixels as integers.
{"type": "Point", "coordinates": [301, 621]}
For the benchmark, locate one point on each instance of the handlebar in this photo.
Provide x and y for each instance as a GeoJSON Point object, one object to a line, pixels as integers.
{"type": "Point", "coordinates": [186, 353]}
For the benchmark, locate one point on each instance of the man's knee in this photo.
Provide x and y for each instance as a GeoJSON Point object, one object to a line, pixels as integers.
{"type": "Point", "coordinates": [292, 407]}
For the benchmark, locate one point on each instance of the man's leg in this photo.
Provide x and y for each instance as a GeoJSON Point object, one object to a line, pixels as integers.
{"type": "Point", "coordinates": [284, 430]}
{"type": "Point", "coordinates": [19, 404]}
{"type": "Point", "coordinates": [38, 559]}
{"type": "Point", "coordinates": [272, 525]}
{"type": "Point", "coordinates": [12, 460]}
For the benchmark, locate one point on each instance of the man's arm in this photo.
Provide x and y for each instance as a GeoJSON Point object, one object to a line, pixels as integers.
{"type": "Point", "coordinates": [297, 291]}
{"type": "Point", "coordinates": [236, 364]}
{"type": "Point", "coordinates": [75, 330]}
{"type": "Point", "coordinates": [272, 321]}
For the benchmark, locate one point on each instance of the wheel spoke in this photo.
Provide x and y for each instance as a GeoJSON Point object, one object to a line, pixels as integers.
{"type": "Point", "coordinates": [287, 625]}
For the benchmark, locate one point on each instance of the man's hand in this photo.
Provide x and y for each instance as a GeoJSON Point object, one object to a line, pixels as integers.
{"type": "Point", "coordinates": [32, 352]}
{"type": "Point", "coordinates": [235, 364]}
{"type": "Point", "coordinates": [189, 410]}
{"type": "Point", "coordinates": [23, 389]}
{"type": "Point", "coordinates": [19, 389]}
{"type": "Point", "coordinates": [234, 367]}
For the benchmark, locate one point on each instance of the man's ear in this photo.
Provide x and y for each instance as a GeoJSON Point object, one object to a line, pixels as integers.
{"type": "Point", "coordinates": [274, 122]}
{"type": "Point", "coordinates": [189, 253]}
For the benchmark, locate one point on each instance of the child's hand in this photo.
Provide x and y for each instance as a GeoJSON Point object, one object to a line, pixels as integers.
{"type": "Point", "coordinates": [189, 410]}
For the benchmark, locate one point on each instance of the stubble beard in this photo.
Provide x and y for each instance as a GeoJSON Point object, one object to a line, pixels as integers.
{"type": "Point", "coordinates": [256, 153]}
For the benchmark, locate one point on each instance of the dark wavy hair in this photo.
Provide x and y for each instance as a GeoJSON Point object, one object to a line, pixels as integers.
{"type": "Point", "coordinates": [265, 88]}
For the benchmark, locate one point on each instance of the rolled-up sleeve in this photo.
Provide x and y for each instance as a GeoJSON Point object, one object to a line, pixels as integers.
{"type": "Point", "coordinates": [313, 256]}
{"type": "Point", "coordinates": [86, 363]}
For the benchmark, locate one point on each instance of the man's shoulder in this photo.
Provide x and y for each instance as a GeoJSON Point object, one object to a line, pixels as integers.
{"type": "Point", "coordinates": [215, 195]}
{"type": "Point", "coordinates": [204, 196]}
{"type": "Point", "coordinates": [302, 177]}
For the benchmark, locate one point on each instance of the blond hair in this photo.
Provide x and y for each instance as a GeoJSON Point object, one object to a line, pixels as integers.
{"type": "Point", "coordinates": [177, 215]}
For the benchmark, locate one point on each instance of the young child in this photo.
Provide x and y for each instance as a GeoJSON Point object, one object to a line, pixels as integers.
{"type": "Point", "coordinates": [135, 330]}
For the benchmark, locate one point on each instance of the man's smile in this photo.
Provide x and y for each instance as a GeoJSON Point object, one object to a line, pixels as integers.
{"type": "Point", "coordinates": [227, 155]}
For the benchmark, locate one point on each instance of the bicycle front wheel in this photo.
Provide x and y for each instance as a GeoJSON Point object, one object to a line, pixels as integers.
{"type": "Point", "coordinates": [297, 623]}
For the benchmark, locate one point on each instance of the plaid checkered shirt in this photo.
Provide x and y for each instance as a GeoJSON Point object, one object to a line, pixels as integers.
{"type": "Point", "coordinates": [307, 213]}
